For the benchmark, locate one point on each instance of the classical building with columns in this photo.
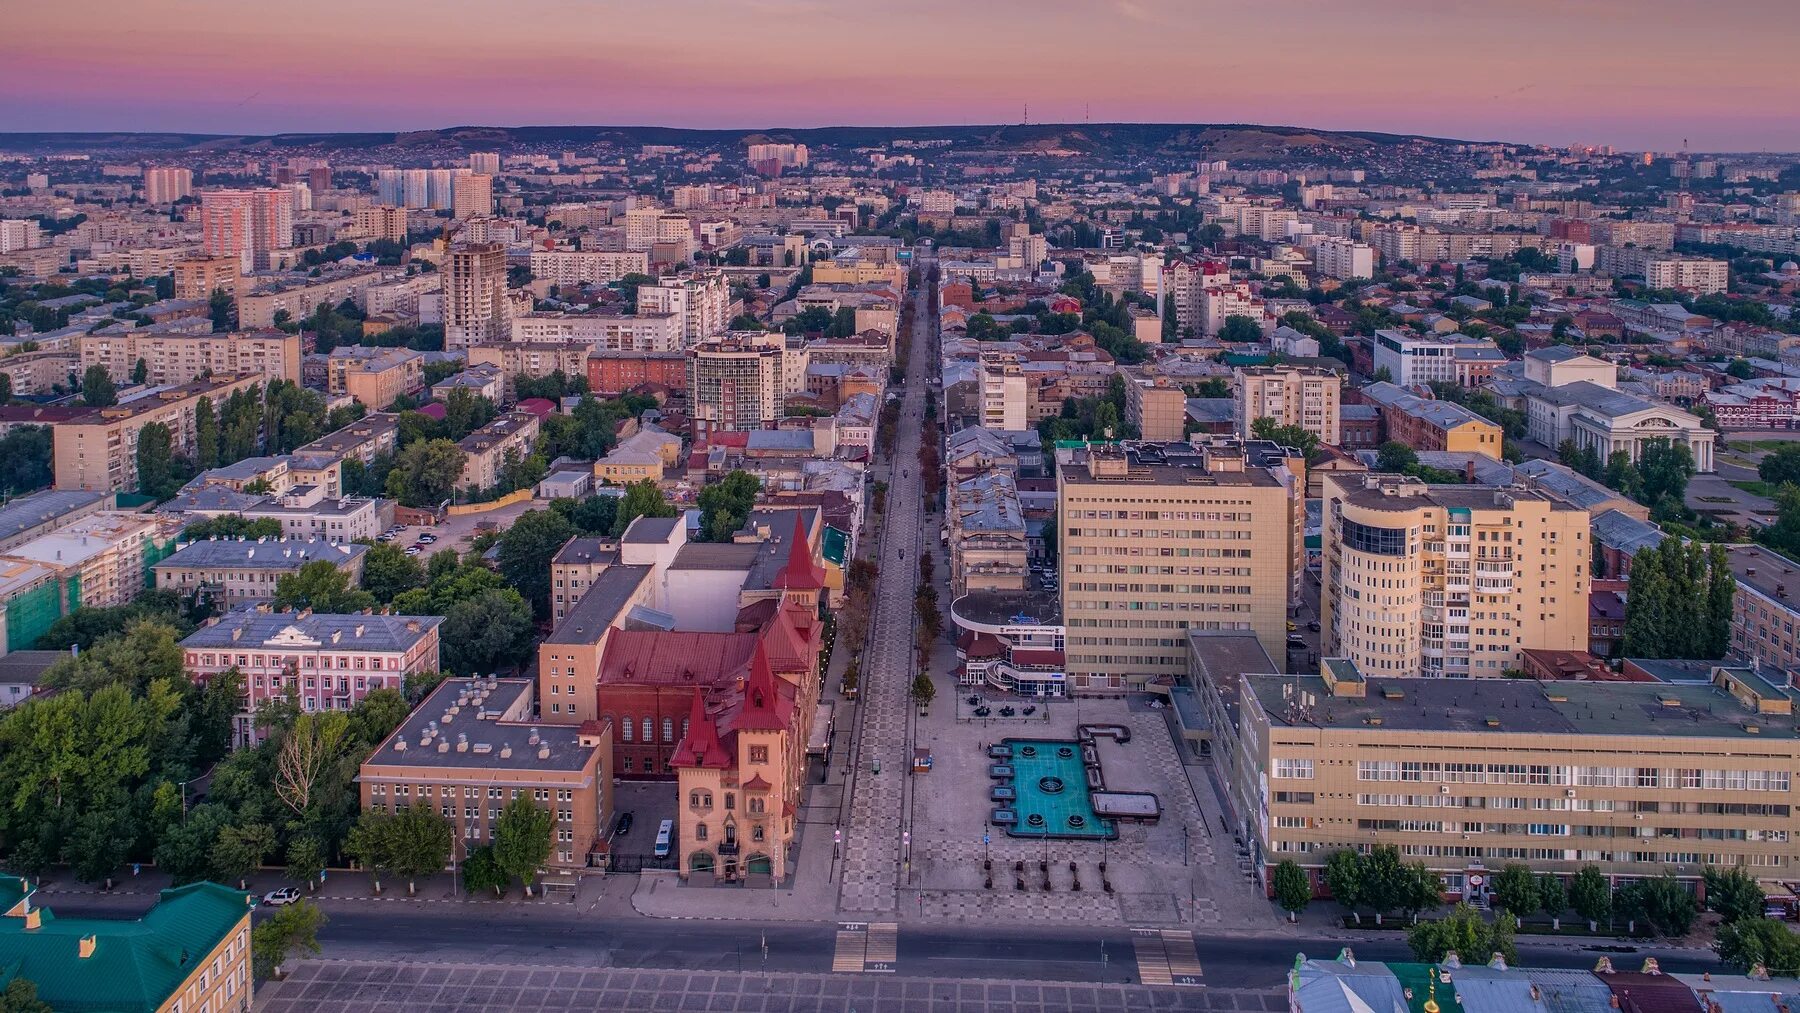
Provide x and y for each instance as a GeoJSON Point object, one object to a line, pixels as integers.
{"type": "Point", "coordinates": [1610, 420]}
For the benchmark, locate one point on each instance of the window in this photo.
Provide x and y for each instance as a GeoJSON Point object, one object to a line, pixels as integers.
{"type": "Point", "coordinates": [625, 730]}
{"type": "Point", "coordinates": [1301, 770]}
{"type": "Point", "coordinates": [647, 731]}
{"type": "Point", "coordinates": [668, 729]}
{"type": "Point", "coordinates": [699, 831]}
{"type": "Point", "coordinates": [759, 754]}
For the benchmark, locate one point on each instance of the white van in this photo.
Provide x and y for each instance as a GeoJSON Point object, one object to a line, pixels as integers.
{"type": "Point", "coordinates": [663, 835]}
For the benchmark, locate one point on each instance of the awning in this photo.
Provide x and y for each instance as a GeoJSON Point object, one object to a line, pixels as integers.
{"type": "Point", "coordinates": [818, 738]}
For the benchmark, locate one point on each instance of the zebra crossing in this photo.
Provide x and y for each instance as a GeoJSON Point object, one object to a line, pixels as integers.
{"type": "Point", "coordinates": [866, 948]}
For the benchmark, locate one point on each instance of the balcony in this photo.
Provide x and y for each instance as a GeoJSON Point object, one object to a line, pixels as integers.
{"type": "Point", "coordinates": [728, 847]}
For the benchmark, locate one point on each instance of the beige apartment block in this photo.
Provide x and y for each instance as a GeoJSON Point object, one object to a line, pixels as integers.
{"type": "Point", "coordinates": [487, 450]}
{"type": "Point", "coordinates": [1156, 405]}
{"type": "Point", "coordinates": [39, 372]}
{"type": "Point", "coordinates": [98, 450]}
{"type": "Point", "coordinates": [1160, 539]}
{"type": "Point", "coordinates": [1634, 778]}
{"type": "Point", "coordinates": [200, 277]}
{"type": "Point", "coordinates": [377, 380]}
{"type": "Point", "coordinates": [1304, 396]}
{"type": "Point", "coordinates": [180, 358]}
{"type": "Point", "coordinates": [474, 745]}
{"type": "Point", "coordinates": [475, 306]}
{"type": "Point", "coordinates": [1449, 580]}
{"type": "Point", "coordinates": [257, 309]}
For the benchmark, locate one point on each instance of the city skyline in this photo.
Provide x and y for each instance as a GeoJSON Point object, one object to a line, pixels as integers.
{"type": "Point", "coordinates": [1517, 72]}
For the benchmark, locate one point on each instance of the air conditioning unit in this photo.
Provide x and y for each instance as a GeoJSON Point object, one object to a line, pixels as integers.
{"type": "Point", "coordinates": [1568, 793]}
{"type": "Point", "coordinates": [1443, 789]}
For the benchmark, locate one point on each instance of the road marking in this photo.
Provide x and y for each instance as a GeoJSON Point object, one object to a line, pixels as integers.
{"type": "Point", "coordinates": [1152, 957]}
{"type": "Point", "coordinates": [850, 952]}
{"type": "Point", "coordinates": [883, 947]}
{"type": "Point", "coordinates": [1184, 962]}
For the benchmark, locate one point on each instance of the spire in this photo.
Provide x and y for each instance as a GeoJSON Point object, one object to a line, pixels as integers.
{"type": "Point", "coordinates": [800, 573]}
{"type": "Point", "coordinates": [762, 697]}
{"type": "Point", "coordinates": [701, 746]}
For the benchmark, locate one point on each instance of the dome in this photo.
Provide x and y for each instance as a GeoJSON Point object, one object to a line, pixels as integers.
{"type": "Point", "coordinates": [1789, 267]}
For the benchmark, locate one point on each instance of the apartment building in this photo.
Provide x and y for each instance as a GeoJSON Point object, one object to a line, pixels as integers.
{"type": "Point", "coordinates": [98, 450]}
{"type": "Point", "coordinates": [1155, 404]}
{"type": "Point", "coordinates": [85, 963]}
{"type": "Point", "coordinates": [1343, 259]}
{"type": "Point", "coordinates": [475, 307]}
{"type": "Point", "coordinates": [1004, 400]}
{"type": "Point", "coordinates": [1219, 303]}
{"type": "Point", "coordinates": [574, 569]}
{"type": "Point", "coordinates": [1447, 580]}
{"type": "Point", "coordinates": [1636, 778]}
{"type": "Point", "coordinates": [1304, 396]}
{"type": "Point", "coordinates": [614, 373]}
{"type": "Point", "coordinates": [656, 332]}
{"type": "Point", "coordinates": [247, 225]}
{"type": "Point", "coordinates": [34, 373]}
{"type": "Point", "coordinates": [328, 662]}
{"type": "Point", "coordinates": [181, 358]}
{"type": "Point", "coordinates": [233, 572]}
{"type": "Point", "coordinates": [1764, 613]}
{"type": "Point", "coordinates": [311, 508]}
{"type": "Point", "coordinates": [379, 222]}
{"type": "Point", "coordinates": [471, 195]}
{"type": "Point", "coordinates": [587, 267]}
{"type": "Point", "coordinates": [1203, 537]}
{"type": "Point", "coordinates": [487, 450]}
{"type": "Point", "coordinates": [166, 185]}
{"type": "Point", "coordinates": [701, 301]}
{"type": "Point", "coordinates": [735, 384]}
{"type": "Point", "coordinates": [98, 561]}
{"type": "Point", "coordinates": [1699, 275]}
{"type": "Point", "coordinates": [473, 746]}
{"type": "Point", "coordinates": [19, 234]}
{"type": "Point", "coordinates": [533, 359]}
{"type": "Point", "coordinates": [373, 434]}
{"type": "Point", "coordinates": [199, 277]}
{"type": "Point", "coordinates": [375, 376]}
{"type": "Point", "coordinates": [989, 545]}
{"type": "Point", "coordinates": [300, 298]}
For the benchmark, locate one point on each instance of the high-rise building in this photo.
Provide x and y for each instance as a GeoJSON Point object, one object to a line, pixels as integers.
{"type": "Point", "coordinates": [247, 224]}
{"type": "Point", "coordinates": [1304, 396]}
{"type": "Point", "coordinates": [475, 306]}
{"type": "Point", "coordinates": [641, 227]}
{"type": "Point", "coordinates": [1159, 539]}
{"type": "Point", "coordinates": [735, 384]}
{"type": "Point", "coordinates": [380, 223]}
{"type": "Point", "coordinates": [485, 162]}
{"type": "Point", "coordinates": [19, 234]}
{"type": "Point", "coordinates": [167, 185]}
{"type": "Point", "coordinates": [1449, 580]}
{"type": "Point", "coordinates": [472, 194]}
{"type": "Point", "coordinates": [701, 300]}
{"type": "Point", "coordinates": [1183, 281]}
{"type": "Point", "coordinates": [200, 277]}
{"type": "Point", "coordinates": [390, 187]}
{"type": "Point", "coordinates": [1344, 258]}
{"type": "Point", "coordinates": [1003, 399]}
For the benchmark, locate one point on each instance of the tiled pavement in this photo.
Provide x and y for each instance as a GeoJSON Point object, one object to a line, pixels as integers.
{"type": "Point", "coordinates": [368, 987]}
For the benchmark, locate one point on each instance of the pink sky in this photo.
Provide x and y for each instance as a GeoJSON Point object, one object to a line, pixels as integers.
{"type": "Point", "coordinates": [1634, 73]}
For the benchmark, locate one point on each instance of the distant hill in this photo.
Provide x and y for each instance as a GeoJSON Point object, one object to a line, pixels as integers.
{"type": "Point", "coordinates": [1225, 140]}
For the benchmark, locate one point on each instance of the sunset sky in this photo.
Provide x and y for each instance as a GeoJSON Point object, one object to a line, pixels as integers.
{"type": "Point", "coordinates": [1634, 73]}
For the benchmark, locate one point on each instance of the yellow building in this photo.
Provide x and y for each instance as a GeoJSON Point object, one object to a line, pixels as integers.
{"type": "Point", "coordinates": [1155, 404]}
{"type": "Point", "coordinates": [200, 277]}
{"type": "Point", "coordinates": [487, 450]}
{"type": "Point", "coordinates": [1634, 778]}
{"type": "Point", "coordinates": [1158, 539]}
{"type": "Point", "coordinates": [189, 952]}
{"type": "Point", "coordinates": [1449, 580]}
{"type": "Point", "coordinates": [179, 358]}
{"type": "Point", "coordinates": [1303, 396]}
{"type": "Point", "coordinates": [99, 450]}
{"type": "Point", "coordinates": [377, 380]}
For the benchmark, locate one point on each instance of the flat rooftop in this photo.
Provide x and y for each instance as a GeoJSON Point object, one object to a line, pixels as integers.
{"type": "Point", "coordinates": [1766, 572]}
{"type": "Point", "coordinates": [1520, 706]}
{"type": "Point", "coordinates": [40, 508]}
{"type": "Point", "coordinates": [603, 602]}
{"type": "Point", "coordinates": [1001, 608]}
{"type": "Point", "coordinates": [482, 724]}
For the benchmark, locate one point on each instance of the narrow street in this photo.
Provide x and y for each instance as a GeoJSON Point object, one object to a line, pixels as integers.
{"type": "Point", "coordinates": [873, 857]}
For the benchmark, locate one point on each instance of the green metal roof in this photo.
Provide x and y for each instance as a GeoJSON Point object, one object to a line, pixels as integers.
{"type": "Point", "coordinates": [136, 965]}
{"type": "Point", "coordinates": [835, 545]}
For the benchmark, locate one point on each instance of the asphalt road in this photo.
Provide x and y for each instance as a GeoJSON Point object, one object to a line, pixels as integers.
{"type": "Point", "coordinates": [552, 935]}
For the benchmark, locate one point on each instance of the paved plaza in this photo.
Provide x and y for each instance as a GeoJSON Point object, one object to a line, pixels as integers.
{"type": "Point", "coordinates": [369, 987]}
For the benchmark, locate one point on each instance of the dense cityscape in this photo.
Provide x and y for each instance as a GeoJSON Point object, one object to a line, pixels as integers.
{"type": "Point", "coordinates": [1041, 566]}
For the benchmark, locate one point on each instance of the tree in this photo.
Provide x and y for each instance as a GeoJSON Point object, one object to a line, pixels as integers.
{"type": "Point", "coordinates": [1516, 890]}
{"type": "Point", "coordinates": [1298, 437]}
{"type": "Point", "coordinates": [1344, 878]}
{"type": "Point", "coordinates": [97, 388]}
{"type": "Point", "coordinates": [1753, 941]}
{"type": "Point", "coordinates": [1781, 466]}
{"type": "Point", "coordinates": [1591, 896]}
{"type": "Point", "coordinates": [140, 372]}
{"type": "Point", "coordinates": [1383, 879]}
{"type": "Point", "coordinates": [26, 455]}
{"type": "Point", "coordinates": [156, 461]}
{"type": "Point", "coordinates": [1240, 329]}
{"type": "Point", "coordinates": [222, 310]}
{"type": "Point", "coordinates": [307, 752]}
{"type": "Point", "coordinates": [1396, 456]}
{"type": "Point", "coordinates": [1553, 898]}
{"type": "Point", "coordinates": [240, 849]}
{"type": "Point", "coordinates": [419, 843]}
{"type": "Point", "coordinates": [491, 631]}
{"type": "Point", "coordinates": [1721, 597]}
{"type": "Point", "coordinates": [21, 996]}
{"type": "Point", "coordinates": [291, 927]}
{"type": "Point", "coordinates": [388, 571]}
{"type": "Point", "coordinates": [425, 473]}
{"type": "Point", "coordinates": [522, 840]}
{"type": "Point", "coordinates": [1420, 890]}
{"type": "Point", "coordinates": [641, 499]}
{"type": "Point", "coordinates": [525, 551]}
{"type": "Point", "coordinates": [1661, 903]}
{"type": "Point", "coordinates": [232, 526]}
{"type": "Point", "coordinates": [1464, 933]}
{"type": "Point", "coordinates": [1292, 889]}
{"type": "Point", "coordinates": [1733, 893]}
{"type": "Point", "coordinates": [1666, 468]}
{"type": "Point", "coordinates": [1622, 474]}
{"type": "Point", "coordinates": [100, 843]}
{"type": "Point", "coordinates": [305, 859]}
{"type": "Point", "coordinates": [1740, 369]}
{"type": "Point", "coordinates": [370, 844]}
{"type": "Point", "coordinates": [593, 516]}
{"type": "Point", "coordinates": [1647, 609]}
{"type": "Point", "coordinates": [725, 505]}
{"type": "Point", "coordinates": [923, 690]}
{"type": "Point", "coordinates": [321, 586]}
{"type": "Point", "coordinates": [481, 872]}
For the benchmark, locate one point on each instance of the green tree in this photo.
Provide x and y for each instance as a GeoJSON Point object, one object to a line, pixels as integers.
{"type": "Point", "coordinates": [1464, 933]}
{"type": "Point", "coordinates": [481, 872]}
{"type": "Point", "coordinates": [232, 526]}
{"type": "Point", "coordinates": [156, 462]}
{"type": "Point", "coordinates": [294, 926]}
{"type": "Point", "coordinates": [1553, 898]}
{"type": "Point", "coordinates": [1622, 474]}
{"type": "Point", "coordinates": [1396, 456]}
{"type": "Point", "coordinates": [1647, 608]}
{"type": "Point", "coordinates": [1781, 465]}
{"type": "Point", "coordinates": [425, 473]}
{"type": "Point", "coordinates": [1721, 596]}
{"type": "Point", "coordinates": [1666, 468]}
{"type": "Point", "coordinates": [305, 860]}
{"type": "Point", "coordinates": [1733, 893]}
{"type": "Point", "coordinates": [419, 843]}
{"type": "Point", "coordinates": [140, 372]}
{"type": "Point", "coordinates": [1420, 890]}
{"type": "Point", "coordinates": [1293, 891]}
{"type": "Point", "coordinates": [101, 840]}
{"type": "Point", "coordinates": [1240, 329]}
{"type": "Point", "coordinates": [1740, 369]}
{"type": "Point", "coordinates": [923, 690]}
{"type": "Point", "coordinates": [486, 633]}
{"type": "Point", "coordinates": [222, 310]}
{"type": "Point", "coordinates": [1661, 904]}
{"type": "Point", "coordinates": [1344, 878]}
{"type": "Point", "coordinates": [97, 388]}
{"type": "Point", "coordinates": [593, 515]}
{"type": "Point", "coordinates": [370, 844]}
{"type": "Point", "coordinates": [185, 848]}
{"type": "Point", "coordinates": [1759, 941]}
{"type": "Point", "coordinates": [21, 996]}
{"type": "Point", "coordinates": [726, 504]}
{"type": "Point", "coordinates": [525, 551]}
{"type": "Point", "coordinates": [522, 840]}
{"type": "Point", "coordinates": [240, 849]}
{"type": "Point", "coordinates": [1384, 879]}
{"type": "Point", "coordinates": [641, 499]}
{"type": "Point", "coordinates": [1516, 890]}
{"type": "Point", "coordinates": [321, 586]}
{"type": "Point", "coordinates": [26, 456]}
{"type": "Point", "coordinates": [388, 571]}
{"type": "Point", "coordinates": [1298, 437]}
{"type": "Point", "coordinates": [1591, 896]}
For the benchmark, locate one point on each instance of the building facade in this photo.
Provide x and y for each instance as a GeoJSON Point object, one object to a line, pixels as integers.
{"type": "Point", "coordinates": [1303, 396]}
{"type": "Point", "coordinates": [475, 306]}
{"type": "Point", "coordinates": [98, 450]}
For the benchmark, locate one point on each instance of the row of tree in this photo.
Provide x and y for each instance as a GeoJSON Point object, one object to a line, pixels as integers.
{"type": "Point", "coordinates": [1679, 604]}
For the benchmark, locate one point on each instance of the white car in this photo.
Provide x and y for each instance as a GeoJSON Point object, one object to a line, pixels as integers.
{"type": "Point", "coordinates": [284, 896]}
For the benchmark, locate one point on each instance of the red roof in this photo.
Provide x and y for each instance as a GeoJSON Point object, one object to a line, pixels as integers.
{"type": "Point", "coordinates": [756, 783]}
{"type": "Point", "coordinates": [980, 645]}
{"type": "Point", "coordinates": [1035, 657]}
{"type": "Point", "coordinates": [641, 657]}
{"type": "Point", "coordinates": [764, 707]}
{"type": "Point", "coordinates": [800, 573]}
{"type": "Point", "coordinates": [434, 410]}
{"type": "Point", "coordinates": [543, 408]}
{"type": "Point", "coordinates": [701, 746]}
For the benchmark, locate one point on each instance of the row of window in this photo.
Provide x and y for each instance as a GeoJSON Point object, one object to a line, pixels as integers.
{"type": "Point", "coordinates": [1580, 776]}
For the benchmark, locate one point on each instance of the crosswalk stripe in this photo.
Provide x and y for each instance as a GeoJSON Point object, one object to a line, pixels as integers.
{"type": "Point", "coordinates": [1152, 959]}
{"type": "Point", "coordinates": [882, 948]}
{"type": "Point", "coordinates": [850, 953]}
{"type": "Point", "coordinates": [1184, 963]}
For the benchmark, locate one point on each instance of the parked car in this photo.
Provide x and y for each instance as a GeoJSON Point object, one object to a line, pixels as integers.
{"type": "Point", "coordinates": [413, 550]}
{"type": "Point", "coordinates": [427, 538]}
{"type": "Point", "coordinates": [1313, 626]}
{"type": "Point", "coordinates": [622, 825]}
{"type": "Point", "coordinates": [282, 897]}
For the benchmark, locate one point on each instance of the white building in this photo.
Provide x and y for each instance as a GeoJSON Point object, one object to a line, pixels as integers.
{"type": "Point", "coordinates": [1344, 258]}
{"type": "Point", "coordinates": [1003, 400]}
{"type": "Point", "coordinates": [660, 332]}
{"type": "Point", "coordinates": [19, 234]}
{"type": "Point", "coordinates": [166, 185]}
{"type": "Point", "coordinates": [587, 267]}
{"type": "Point", "coordinates": [701, 301]}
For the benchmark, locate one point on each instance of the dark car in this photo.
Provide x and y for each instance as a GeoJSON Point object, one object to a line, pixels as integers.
{"type": "Point", "coordinates": [622, 825]}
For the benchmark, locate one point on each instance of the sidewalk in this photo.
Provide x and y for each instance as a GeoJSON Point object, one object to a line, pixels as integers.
{"type": "Point", "coordinates": [340, 886]}
{"type": "Point", "coordinates": [809, 896]}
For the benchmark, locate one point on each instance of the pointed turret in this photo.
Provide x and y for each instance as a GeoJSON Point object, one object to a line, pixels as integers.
{"type": "Point", "coordinates": [800, 573]}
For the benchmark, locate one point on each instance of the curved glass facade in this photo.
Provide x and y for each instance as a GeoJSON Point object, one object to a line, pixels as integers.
{"type": "Point", "coordinates": [1368, 538]}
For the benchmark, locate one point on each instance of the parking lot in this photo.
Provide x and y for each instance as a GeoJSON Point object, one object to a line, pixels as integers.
{"type": "Point", "coordinates": [649, 802]}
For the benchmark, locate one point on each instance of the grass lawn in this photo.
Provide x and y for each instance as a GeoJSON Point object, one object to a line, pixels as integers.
{"type": "Point", "coordinates": [1755, 488]}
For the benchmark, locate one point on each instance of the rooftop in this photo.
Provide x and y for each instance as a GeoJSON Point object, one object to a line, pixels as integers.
{"type": "Point", "coordinates": [263, 553]}
{"type": "Point", "coordinates": [482, 724]}
{"type": "Point", "coordinates": [251, 627]}
{"type": "Point", "coordinates": [611, 591]}
{"type": "Point", "coordinates": [1768, 573]}
{"type": "Point", "coordinates": [27, 512]}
